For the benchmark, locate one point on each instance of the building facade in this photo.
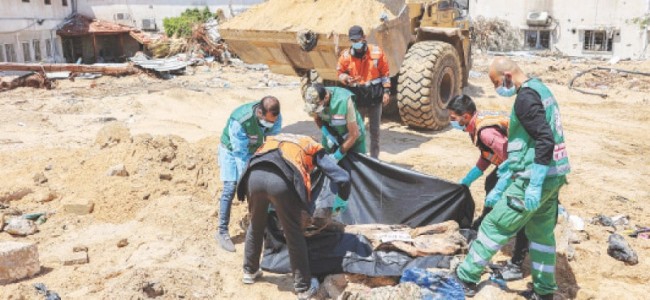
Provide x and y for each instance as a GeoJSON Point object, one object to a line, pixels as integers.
{"type": "Point", "coordinates": [28, 29]}
{"type": "Point", "coordinates": [149, 14]}
{"type": "Point", "coordinates": [575, 28]}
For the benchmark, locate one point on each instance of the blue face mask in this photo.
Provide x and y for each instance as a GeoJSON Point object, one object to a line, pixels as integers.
{"type": "Point", "coordinates": [456, 125]}
{"type": "Point", "coordinates": [357, 45]}
{"type": "Point", "coordinates": [504, 91]}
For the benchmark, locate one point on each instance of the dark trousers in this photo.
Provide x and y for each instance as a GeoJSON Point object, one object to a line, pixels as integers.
{"type": "Point", "coordinates": [521, 241]}
{"type": "Point", "coordinates": [267, 185]}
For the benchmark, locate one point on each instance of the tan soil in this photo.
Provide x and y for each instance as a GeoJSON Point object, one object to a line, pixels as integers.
{"type": "Point", "coordinates": [174, 127]}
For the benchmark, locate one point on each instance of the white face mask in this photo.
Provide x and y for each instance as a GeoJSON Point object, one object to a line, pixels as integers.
{"type": "Point", "coordinates": [266, 123]}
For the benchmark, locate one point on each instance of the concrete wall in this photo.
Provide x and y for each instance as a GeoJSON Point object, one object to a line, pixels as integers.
{"type": "Point", "coordinates": [137, 10]}
{"type": "Point", "coordinates": [19, 22]}
{"type": "Point", "coordinates": [573, 18]}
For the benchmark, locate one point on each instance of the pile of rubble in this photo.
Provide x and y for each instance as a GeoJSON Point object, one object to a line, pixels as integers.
{"type": "Point", "coordinates": [495, 35]}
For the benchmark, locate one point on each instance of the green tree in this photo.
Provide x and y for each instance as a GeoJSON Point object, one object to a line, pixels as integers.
{"type": "Point", "coordinates": [182, 26]}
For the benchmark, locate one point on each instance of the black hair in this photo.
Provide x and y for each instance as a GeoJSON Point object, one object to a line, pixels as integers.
{"type": "Point", "coordinates": [270, 104]}
{"type": "Point", "coordinates": [320, 88]}
{"type": "Point", "coordinates": [462, 104]}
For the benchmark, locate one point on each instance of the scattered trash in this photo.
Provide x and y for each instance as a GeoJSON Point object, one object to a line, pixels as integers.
{"type": "Point", "coordinates": [495, 34]}
{"type": "Point", "coordinates": [20, 227]}
{"type": "Point", "coordinates": [641, 232]}
{"type": "Point", "coordinates": [435, 285]}
{"type": "Point", "coordinates": [577, 223]}
{"type": "Point", "coordinates": [614, 60]}
{"type": "Point", "coordinates": [571, 83]}
{"type": "Point", "coordinates": [619, 249]}
{"type": "Point", "coordinates": [602, 220]}
{"type": "Point", "coordinates": [49, 294]}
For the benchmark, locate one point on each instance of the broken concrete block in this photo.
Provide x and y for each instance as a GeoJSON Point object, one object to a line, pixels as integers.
{"type": "Point", "coordinates": [20, 227]}
{"type": "Point", "coordinates": [78, 206]}
{"type": "Point", "coordinates": [76, 258]}
{"type": "Point", "coordinates": [16, 194]}
{"type": "Point", "coordinates": [39, 178]}
{"type": "Point", "coordinates": [117, 170]}
{"type": "Point", "coordinates": [335, 285]}
{"type": "Point", "coordinates": [18, 261]}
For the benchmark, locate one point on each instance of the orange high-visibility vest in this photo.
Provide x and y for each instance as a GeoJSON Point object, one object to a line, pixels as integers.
{"type": "Point", "coordinates": [484, 121]}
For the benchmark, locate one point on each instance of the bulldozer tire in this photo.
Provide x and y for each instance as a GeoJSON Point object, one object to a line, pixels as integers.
{"type": "Point", "coordinates": [430, 76]}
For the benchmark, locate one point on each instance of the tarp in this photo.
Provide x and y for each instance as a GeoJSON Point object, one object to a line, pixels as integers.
{"type": "Point", "coordinates": [381, 193]}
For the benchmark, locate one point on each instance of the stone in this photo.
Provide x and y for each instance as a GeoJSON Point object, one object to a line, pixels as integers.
{"type": "Point", "coordinates": [75, 258]}
{"type": "Point", "coordinates": [117, 170]}
{"type": "Point", "coordinates": [39, 178]}
{"type": "Point", "coordinates": [153, 289]}
{"type": "Point", "coordinates": [80, 248]}
{"type": "Point", "coordinates": [44, 196]}
{"type": "Point", "coordinates": [113, 134]}
{"type": "Point", "coordinates": [335, 285]}
{"type": "Point", "coordinates": [122, 243]}
{"type": "Point", "coordinates": [16, 194]}
{"type": "Point", "coordinates": [48, 167]}
{"type": "Point", "coordinates": [2, 221]}
{"type": "Point", "coordinates": [20, 227]}
{"type": "Point", "coordinates": [78, 206]}
{"type": "Point", "coordinates": [165, 176]}
{"type": "Point", "coordinates": [18, 261]}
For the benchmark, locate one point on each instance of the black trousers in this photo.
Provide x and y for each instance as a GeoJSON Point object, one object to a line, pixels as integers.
{"type": "Point", "coordinates": [266, 185]}
{"type": "Point", "coordinates": [521, 241]}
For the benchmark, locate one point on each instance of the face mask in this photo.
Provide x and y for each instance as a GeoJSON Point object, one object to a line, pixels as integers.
{"type": "Point", "coordinates": [313, 109]}
{"type": "Point", "coordinates": [456, 125]}
{"type": "Point", "coordinates": [266, 123]}
{"type": "Point", "coordinates": [361, 50]}
{"type": "Point", "coordinates": [357, 45]}
{"type": "Point", "coordinates": [504, 91]}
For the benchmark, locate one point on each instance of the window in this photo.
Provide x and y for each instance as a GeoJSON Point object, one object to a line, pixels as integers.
{"type": "Point", "coordinates": [2, 55]}
{"type": "Point", "coordinates": [26, 1]}
{"type": "Point", "coordinates": [537, 39]}
{"type": "Point", "coordinates": [64, 2]}
{"type": "Point", "coordinates": [48, 2]}
{"type": "Point", "coordinates": [598, 40]}
{"type": "Point", "coordinates": [48, 47]}
{"type": "Point", "coordinates": [10, 52]}
{"type": "Point", "coordinates": [27, 53]}
{"type": "Point", "coordinates": [36, 44]}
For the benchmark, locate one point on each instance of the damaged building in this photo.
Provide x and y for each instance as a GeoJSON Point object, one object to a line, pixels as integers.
{"type": "Point", "coordinates": [574, 28]}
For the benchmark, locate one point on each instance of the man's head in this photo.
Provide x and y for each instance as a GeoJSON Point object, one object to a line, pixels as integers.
{"type": "Point", "coordinates": [316, 98]}
{"type": "Point", "coordinates": [461, 111]}
{"type": "Point", "coordinates": [268, 111]}
{"type": "Point", "coordinates": [358, 40]}
{"type": "Point", "coordinates": [506, 76]}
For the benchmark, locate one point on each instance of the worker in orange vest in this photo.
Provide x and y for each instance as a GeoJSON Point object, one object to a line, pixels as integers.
{"type": "Point", "coordinates": [363, 69]}
{"type": "Point", "coordinates": [279, 175]}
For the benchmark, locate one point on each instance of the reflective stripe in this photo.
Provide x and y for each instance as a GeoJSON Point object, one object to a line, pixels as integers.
{"type": "Point", "coordinates": [548, 101]}
{"type": "Point", "coordinates": [487, 241]}
{"type": "Point", "coordinates": [542, 248]}
{"type": "Point", "coordinates": [478, 259]}
{"type": "Point", "coordinates": [552, 171]}
{"type": "Point", "coordinates": [338, 122]}
{"type": "Point", "coordinates": [543, 268]}
{"type": "Point", "coordinates": [385, 79]}
{"type": "Point", "coordinates": [374, 81]}
{"type": "Point", "coordinates": [515, 145]}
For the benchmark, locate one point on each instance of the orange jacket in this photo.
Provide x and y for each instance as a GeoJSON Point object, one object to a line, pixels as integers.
{"type": "Point", "coordinates": [296, 149]}
{"type": "Point", "coordinates": [373, 65]}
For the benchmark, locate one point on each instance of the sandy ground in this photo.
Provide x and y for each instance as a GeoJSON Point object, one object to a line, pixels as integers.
{"type": "Point", "coordinates": [172, 128]}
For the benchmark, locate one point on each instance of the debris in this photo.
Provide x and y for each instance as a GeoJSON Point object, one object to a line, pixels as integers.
{"type": "Point", "coordinates": [39, 178]}
{"type": "Point", "coordinates": [80, 248]}
{"type": "Point", "coordinates": [33, 216]}
{"type": "Point", "coordinates": [475, 74]}
{"type": "Point", "coordinates": [2, 221]}
{"type": "Point", "coordinates": [18, 261]}
{"type": "Point", "coordinates": [165, 176]}
{"type": "Point", "coordinates": [117, 170]}
{"type": "Point", "coordinates": [576, 223]}
{"type": "Point", "coordinates": [106, 69]}
{"type": "Point", "coordinates": [76, 258]}
{"type": "Point", "coordinates": [78, 206]}
{"type": "Point", "coordinates": [153, 289]}
{"type": "Point", "coordinates": [614, 60]}
{"type": "Point", "coordinates": [495, 35]}
{"type": "Point", "coordinates": [335, 284]}
{"type": "Point", "coordinates": [49, 294]}
{"type": "Point", "coordinates": [407, 290]}
{"type": "Point", "coordinates": [619, 249]}
{"type": "Point", "coordinates": [44, 196]}
{"type": "Point", "coordinates": [48, 167]}
{"type": "Point", "coordinates": [435, 285]}
{"type": "Point", "coordinates": [17, 194]}
{"type": "Point", "coordinates": [122, 243]}
{"type": "Point", "coordinates": [20, 227]}
{"type": "Point", "coordinates": [34, 80]}
{"type": "Point", "coordinates": [113, 134]}
{"type": "Point", "coordinates": [600, 68]}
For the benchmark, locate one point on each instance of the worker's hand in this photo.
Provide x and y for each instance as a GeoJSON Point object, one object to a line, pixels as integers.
{"type": "Point", "coordinates": [340, 205]}
{"type": "Point", "coordinates": [385, 99]}
{"type": "Point", "coordinates": [533, 193]}
{"type": "Point", "coordinates": [471, 176]}
{"type": "Point", "coordinates": [338, 155]}
{"type": "Point", "coordinates": [495, 194]}
{"type": "Point", "coordinates": [331, 140]}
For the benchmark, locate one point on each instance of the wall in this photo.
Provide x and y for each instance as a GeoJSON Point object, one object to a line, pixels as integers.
{"type": "Point", "coordinates": [572, 18]}
{"type": "Point", "coordinates": [19, 22]}
{"type": "Point", "coordinates": [153, 9]}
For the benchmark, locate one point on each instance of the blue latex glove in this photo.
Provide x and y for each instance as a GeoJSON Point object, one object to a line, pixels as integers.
{"type": "Point", "coordinates": [340, 205]}
{"type": "Point", "coordinates": [533, 193]}
{"type": "Point", "coordinates": [338, 155]}
{"type": "Point", "coordinates": [473, 174]}
{"type": "Point", "coordinates": [495, 194]}
{"type": "Point", "coordinates": [331, 140]}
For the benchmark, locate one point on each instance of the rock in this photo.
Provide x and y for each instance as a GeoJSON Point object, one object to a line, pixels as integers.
{"type": "Point", "coordinates": [20, 227]}
{"type": "Point", "coordinates": [2, 221]}
{"type": "Point", "coordinates": [48, 168]}
{"type": "Point", "coordinates": [76, 258]}
{"type": "Point", "coordinates": [117, 170]}
{"type": "Point", "coordinates": [113, 134]}
{"type": "Point", "coordinates": [335, 285]}
{"type": "Point", "coordinates": [15, 194]}
{"type": "Point", "coordinates": [78, 206]}
{"type": "Point", "coordinates": [44, 196]}
{"type": "Point", "coordinates": [18, 261]}
{"type": "Point", "coordinates": [166, 176]}
{"type": "Point", "coordinates": [146, 196]}
{"type": "Point", "coordinates": [80, 248]}
{"type": "Point", "coordinates": [39, 178]}
{"type": "Point", "coordinates": [122, 243]}
{"type": "Point", "coordinates": [153, 289]}
{"type": "Point", "coordinates": [619, 249]}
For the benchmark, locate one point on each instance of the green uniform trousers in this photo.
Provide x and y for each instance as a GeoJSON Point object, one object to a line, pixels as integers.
{"type": "Point", "coordinates": [505, 220]}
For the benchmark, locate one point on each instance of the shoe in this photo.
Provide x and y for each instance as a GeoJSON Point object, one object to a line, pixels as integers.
{"type": "Point", "coordinates": [532, 295]}
{"type": "Point", "coordinates": [311, 292]}
{"type": "Point", "coordinates": [224, 241]}
{"type": "Point", "coordinates": [469, 288]}
{"type": "Point", "coordinates": [511, 271]}
{"type": "Point", "coordinates": [250, 278]}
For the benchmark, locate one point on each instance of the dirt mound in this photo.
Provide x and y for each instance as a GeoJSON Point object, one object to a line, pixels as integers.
{"type": "Point", "coordinates": [319, 16]}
